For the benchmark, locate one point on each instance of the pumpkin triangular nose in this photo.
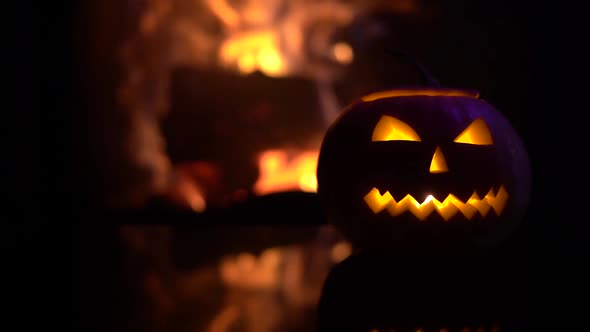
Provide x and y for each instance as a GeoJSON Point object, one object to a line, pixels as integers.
{"type": "Point", "coordinates": [438, 163]}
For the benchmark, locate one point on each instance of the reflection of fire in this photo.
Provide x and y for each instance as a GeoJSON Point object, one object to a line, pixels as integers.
{"type": "Point", "coordinates": [265, 290]}
{"type": "Point", "coordinates": [249, 271]}
{"type": "Point", "coordinates": [278, 173]}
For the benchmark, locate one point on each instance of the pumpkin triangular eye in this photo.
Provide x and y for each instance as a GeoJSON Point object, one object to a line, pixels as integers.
{"type": "Point", "coordinates": [392, 129]}
{"type": "Point", "coordinates": [477, 133]}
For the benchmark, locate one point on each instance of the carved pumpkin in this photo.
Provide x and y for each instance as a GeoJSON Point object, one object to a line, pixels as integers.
{"type": "Point", "coordinates": [423, 167]}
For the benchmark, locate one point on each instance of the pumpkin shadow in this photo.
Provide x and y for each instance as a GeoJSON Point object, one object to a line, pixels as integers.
{"type": "Point", "coordinates": [375, 292]}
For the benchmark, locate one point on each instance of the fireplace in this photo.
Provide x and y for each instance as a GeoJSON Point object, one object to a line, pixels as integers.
{"type": "Point", "coordinates": [223, 105]}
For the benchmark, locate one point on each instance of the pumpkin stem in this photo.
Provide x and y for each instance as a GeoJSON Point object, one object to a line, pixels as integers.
{"type": "Point", "coordinates": [427, 78]}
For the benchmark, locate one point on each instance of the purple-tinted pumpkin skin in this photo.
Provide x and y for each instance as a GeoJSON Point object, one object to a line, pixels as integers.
{"type": "Point", "coordinates": [351, 164]}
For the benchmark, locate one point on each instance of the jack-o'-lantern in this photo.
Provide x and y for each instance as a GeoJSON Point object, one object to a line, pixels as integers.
{"type": "Point", "coordinates": [423, 167]}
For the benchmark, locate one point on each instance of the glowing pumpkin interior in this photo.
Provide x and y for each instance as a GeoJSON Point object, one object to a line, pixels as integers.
{"type": "Point", "coordinates": [389, 128]}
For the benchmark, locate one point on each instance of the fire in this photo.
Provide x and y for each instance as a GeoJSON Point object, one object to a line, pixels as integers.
{"type": "Point", "coordinates": [279, 38]}
{"type": "Point", "coordinates": [194, 196]}
{"type": "Point", "coordinates": [194, 184]}
{"type": "Point", "coordinates": [257, 50]}
{"type": "Point", "coordinates": [278, 172]}
{"type": "Point", "coordinates": [270, 35]}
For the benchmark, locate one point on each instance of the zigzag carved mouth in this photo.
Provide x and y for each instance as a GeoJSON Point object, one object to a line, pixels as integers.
{"type": "Point", "coordinates": [450, 206]}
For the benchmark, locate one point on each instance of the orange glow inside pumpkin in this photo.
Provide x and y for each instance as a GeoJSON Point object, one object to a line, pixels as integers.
{"type": "Point", "coordinates": [450, 206]}
{"type": "Point", "coordinates": [438, 163]}
{"type": "Point", "coordinates": [392, 129]}
{"type": "Point", "coordinates": [476, 133]}
{"type": "Point", "coordinates": [419, 92]}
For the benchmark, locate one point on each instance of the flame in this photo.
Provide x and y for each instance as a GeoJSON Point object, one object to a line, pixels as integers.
{"type": "Point", "coordinates": [195, 185]}
{"type": "Point", "coordinates": [257, 50]}
{"type": "Point", "coordinates": [276, 37]}
{"type": "Point", "coordinates": [189, 193]}
{"type": "Point", "coordinates": [224, 12]}
{"type": "Point", "coordinates": [270, 35]}
{"type": "Point", "coordinates": [447, 208]}
{"type": "Point", "coordinates": [278, 173]}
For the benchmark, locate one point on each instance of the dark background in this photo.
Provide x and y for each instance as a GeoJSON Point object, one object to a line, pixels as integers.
{"type": "Point", "coordinates": [541, 87]}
